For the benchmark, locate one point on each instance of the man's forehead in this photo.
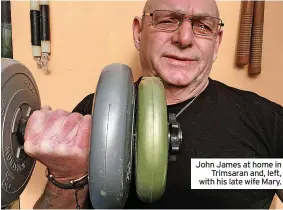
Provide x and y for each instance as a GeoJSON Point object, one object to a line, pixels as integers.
{"type": "Point", "coordinates": [190, 7]}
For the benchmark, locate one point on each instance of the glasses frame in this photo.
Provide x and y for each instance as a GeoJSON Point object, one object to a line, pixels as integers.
{"type": "Point", "coordinates": [221, 24]}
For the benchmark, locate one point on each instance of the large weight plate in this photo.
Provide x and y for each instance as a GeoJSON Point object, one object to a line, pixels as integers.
{"type": "Point", "coordinates": [19, 97]}
{"type": "Point", "coordinates": [112, 138]}
{"type": "Point", "coordinates": [152, 140]}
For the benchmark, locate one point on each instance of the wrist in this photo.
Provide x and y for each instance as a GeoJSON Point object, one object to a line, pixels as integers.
{"type": "Point", "coordinates": [65, 183]}
{"type": "Point", "coordinates": [78, 186]}
{"type": "Point", "coordinates": [56, 198]}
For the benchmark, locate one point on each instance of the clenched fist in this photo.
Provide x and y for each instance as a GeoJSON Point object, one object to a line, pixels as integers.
{"type": "Point", "coordinates": [59, 140]}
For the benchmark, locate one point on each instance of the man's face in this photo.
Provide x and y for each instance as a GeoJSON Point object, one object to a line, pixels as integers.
{"type": "Point", "coordinates": [179, 58]}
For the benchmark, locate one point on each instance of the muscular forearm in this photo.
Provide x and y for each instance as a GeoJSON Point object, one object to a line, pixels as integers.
{"type": "Point", "coordinates": [56, 198]}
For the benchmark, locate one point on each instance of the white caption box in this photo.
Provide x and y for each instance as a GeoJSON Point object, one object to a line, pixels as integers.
{"type": "Point", "coordinates": [236, 173]}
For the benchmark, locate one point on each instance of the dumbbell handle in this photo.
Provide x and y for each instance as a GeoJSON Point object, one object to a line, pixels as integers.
{"type": "Point", "coordinates": [21, 130]}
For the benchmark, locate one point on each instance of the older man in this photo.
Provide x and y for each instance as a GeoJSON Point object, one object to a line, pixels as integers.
{"type": "Point", "coordinates": [178, 41]}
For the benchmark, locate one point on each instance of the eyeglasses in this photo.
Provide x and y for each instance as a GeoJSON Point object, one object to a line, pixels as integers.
{"type": "Point", "coordinates": [170, 21]}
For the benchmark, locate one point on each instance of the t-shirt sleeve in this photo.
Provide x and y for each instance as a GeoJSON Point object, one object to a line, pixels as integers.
{"type": "Point", "coordinates": [84, 107]}
{"type": "Point", "coordinates": [279, 144]}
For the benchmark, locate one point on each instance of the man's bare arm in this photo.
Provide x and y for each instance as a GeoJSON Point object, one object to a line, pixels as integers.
{"type": "Point", "coordinates": [56, 198]}
{"type": "Point", "coordinates": [60, 141]}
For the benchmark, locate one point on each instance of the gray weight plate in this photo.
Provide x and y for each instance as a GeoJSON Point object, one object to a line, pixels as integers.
{"type": "Point", "coordinates": [112, 138]}
{"type": "Point", "coordinates": [19, 97]}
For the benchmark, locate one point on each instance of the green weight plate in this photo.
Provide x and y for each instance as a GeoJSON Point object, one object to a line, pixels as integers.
{"type": "Point", "coordinates": [19, 97]}
{"type": "Point", "coordinates": [152, 140]}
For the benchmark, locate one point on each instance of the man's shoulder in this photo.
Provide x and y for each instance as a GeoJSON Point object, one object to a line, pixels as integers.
{"type": "Point", "coordinates": [255, 109]}
{"type": "Point", "coordinates": [246, 97]}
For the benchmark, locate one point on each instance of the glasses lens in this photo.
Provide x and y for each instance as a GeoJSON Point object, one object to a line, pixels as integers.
{"type": "Point", "coordinates": [166, 20]}
{"type": "Point", "coordinates": [206, 25]}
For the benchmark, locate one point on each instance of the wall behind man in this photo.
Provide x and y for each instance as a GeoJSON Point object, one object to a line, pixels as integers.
{"type": "Point", "coordinates": [86, 36]}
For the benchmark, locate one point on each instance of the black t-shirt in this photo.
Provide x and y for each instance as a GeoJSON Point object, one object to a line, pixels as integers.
{"type": "Point", "coordinates": [223, 122]}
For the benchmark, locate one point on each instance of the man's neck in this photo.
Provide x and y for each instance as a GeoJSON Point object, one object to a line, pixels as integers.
{"type": "Point", "coordinates": [177, 95]}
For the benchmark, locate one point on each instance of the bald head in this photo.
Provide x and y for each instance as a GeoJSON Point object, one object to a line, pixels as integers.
{"type": "Point", "coordinates": [147, 6]}
{"type": "Point", "coordinates": [209, 5]}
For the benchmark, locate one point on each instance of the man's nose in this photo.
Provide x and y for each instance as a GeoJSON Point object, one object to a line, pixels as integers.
{"type": "Point", "coordinates": [183, 37]}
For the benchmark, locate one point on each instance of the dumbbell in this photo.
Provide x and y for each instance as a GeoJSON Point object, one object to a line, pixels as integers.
{"type": "Point", "coordinates": [130, 126]}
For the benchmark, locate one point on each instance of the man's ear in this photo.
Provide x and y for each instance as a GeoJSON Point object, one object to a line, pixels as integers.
{"type": "Point", "coordinates": [137, 29]}
{"type": "Point", "coordinates": [217, 44]}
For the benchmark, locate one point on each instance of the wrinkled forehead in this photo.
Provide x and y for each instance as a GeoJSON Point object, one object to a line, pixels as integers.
{"type": "Point", "coordinates": [190, 7]}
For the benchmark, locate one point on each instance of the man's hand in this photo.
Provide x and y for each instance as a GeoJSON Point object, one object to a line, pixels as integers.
{"type": "Point", "coordinates": [59, 140]}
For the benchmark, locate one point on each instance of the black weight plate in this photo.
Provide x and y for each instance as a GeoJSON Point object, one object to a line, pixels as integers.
{"type": "Point", "coordinates": [19, 97]}
{"type": "Point", "coordinates": [112, 138]}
